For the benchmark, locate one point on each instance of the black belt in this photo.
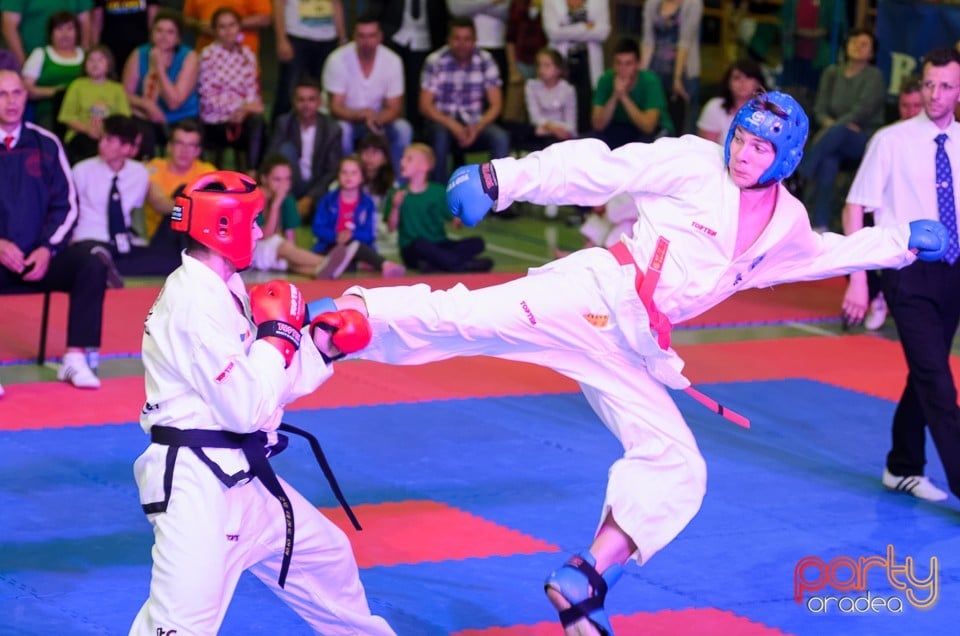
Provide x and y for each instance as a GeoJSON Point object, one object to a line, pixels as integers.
{"type": "Point", "coordinates": [256, 451]}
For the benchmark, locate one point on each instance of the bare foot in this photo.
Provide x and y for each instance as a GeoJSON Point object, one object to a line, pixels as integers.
{"type": "Point", "coordinates": [582, 627]}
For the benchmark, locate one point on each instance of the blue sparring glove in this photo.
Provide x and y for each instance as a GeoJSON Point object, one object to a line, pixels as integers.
{"type": "Point", "coordinates": [472, 192]}
{"type": "Point", "coordinates": [929, 238]}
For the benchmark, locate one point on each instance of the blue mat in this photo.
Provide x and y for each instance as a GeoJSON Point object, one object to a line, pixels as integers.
{"type": "Point", "coordinates": [75, 550]}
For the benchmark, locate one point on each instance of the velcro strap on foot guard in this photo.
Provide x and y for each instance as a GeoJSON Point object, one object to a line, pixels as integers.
{"type": "Point", "coordinates": [585, 589]}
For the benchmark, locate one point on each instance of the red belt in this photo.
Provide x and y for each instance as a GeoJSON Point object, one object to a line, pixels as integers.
{"type": "Point", "coordinates": [646, 283]}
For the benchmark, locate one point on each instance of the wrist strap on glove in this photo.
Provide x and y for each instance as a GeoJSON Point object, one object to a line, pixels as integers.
{"type": "Point", "coordinates": [279, 329]}
{"type": "Point", "coordinates": [488, 181]}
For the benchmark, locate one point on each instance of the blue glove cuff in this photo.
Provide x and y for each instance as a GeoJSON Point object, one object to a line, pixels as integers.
{"type": "Point", "coordinates": [319, 306]}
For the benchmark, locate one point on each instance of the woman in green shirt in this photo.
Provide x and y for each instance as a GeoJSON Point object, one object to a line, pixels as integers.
{"type": "Point", "coordinates": [50, 69]}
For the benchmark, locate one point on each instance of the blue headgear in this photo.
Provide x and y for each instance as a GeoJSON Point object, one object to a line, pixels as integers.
{"type": "Point", "coordinates": [778, 118]}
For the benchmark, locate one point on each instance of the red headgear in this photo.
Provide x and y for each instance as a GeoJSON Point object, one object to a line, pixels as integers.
{"type": "Point", "coordinates": [218, 210]}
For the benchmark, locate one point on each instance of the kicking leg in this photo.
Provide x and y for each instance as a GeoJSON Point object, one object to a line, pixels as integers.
{"type": "Point", "coordinates": [636, 521]}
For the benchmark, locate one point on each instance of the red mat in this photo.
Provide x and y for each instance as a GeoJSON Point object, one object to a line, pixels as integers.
{"type": "Point", "coordinates": [867, 364]}
{"type": "Point", "coordinates": [419, 531]}
{"type": "Point", "coordinates": [125, 310]}
{"type": "Point", "coordinates": [701, 621]}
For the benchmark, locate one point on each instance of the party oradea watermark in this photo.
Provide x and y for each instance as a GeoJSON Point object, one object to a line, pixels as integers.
{"type": "Point", "coordinates": [874, 584]}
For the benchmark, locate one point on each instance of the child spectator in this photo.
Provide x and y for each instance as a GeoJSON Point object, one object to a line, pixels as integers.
{"type": "Point", "coordinates": [277, 250]}
{"type": "Point", "coordinates": [379, 176]}
{"type": "Point", "coordinates": [551, 108]}
{"type": "Point", "coordinates": [50, 69]}
{"type": "Point", "coordinates": [418, 213]}
{"type": "Point", "coordinates": [89, 100]}
{"type": "Point", "coordinates": [551, 100]}
{"type": "Point", "coordinates": [347, 214]}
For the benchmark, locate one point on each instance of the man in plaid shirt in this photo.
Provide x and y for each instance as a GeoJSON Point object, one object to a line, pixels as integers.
{"type": "Point", "coordinates": [461, 97]}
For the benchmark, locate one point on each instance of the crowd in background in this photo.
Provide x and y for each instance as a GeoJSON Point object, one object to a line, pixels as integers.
{"type": "Point", "coordinates": [138, 99]}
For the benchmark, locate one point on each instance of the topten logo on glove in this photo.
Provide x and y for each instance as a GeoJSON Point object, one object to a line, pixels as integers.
{"type": "Point", "coordinates": [846, 574]}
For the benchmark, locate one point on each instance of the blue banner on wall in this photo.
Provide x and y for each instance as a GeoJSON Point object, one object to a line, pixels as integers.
{"type": "Point", "coordinates": [907, 30]}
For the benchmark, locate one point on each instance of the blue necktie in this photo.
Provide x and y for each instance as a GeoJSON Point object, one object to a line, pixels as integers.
{"type": "Point", "coordinates": [946, 205]}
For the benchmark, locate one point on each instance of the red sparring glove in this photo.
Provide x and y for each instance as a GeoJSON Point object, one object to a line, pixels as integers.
{"type": "Point", "coordinates": [278, 312]}
{"type": "Point", "coordinates": [348, 328]}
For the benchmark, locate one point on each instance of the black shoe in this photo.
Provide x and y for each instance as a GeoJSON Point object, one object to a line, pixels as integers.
{"type": "Point", "coordinates": [478, 265]}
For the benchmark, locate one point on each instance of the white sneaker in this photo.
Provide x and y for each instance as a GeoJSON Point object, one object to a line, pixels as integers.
{"type": "Point", "coordinates": [74, 370]}
{"type": "Point", "coordinates": [916, 485]}
{"type": "Point", "coordinates": [876, 314]}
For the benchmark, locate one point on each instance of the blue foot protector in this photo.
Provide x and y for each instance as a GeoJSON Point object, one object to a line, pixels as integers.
{"type": "Point", "coordinates": [585, 589]}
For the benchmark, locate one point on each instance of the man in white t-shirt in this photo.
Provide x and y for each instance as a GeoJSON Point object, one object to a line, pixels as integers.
{"type": "Point", "coordinates": [364, 82]}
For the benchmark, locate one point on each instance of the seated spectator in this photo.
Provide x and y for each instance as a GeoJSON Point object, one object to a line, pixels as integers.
{"type": "Point", "coordinates": [311, 142]}
{"type": "Point", "coordinates": [457, 80]}
{"type": "Point", "coordinates": [551, 106]}
{"type": "Point", "coordinates": [89, 100]}
{"type": "Point", "coordinates": [50, 69]}
{"type": "Point", "coordinates": [253, 15]}
{"type": "Point", "coordinates": [739, 84]}
{"type": "Point", "coordinates": [169, 174]}
{"type": "Point", "coordinates": [161, 80]}
{"type": "Point", "coordinates": [109, 187]}
{"type": "Point", "coordinates": [364, 80]}
{"type": "Point", "coordinates": [277, 250]}
{"type": "Point", "coordinates": [418, 213]}
{"type": "Point", "coordinates": [231, 109]}
{"type": "Point", "coordinates": [379, 176]}
{"type": "Point", "coordinates": [37, 213]}
{"type": "Point", "coordinates": [910, 98]}
{"type": "Point", "coordinates": [346, 215]}
{"type": "Point", "coordinates": [849, 108]}
{"type": "Point", "coordinates": [628, 103]}
{"type": "Point", "coordinates": [551, 109]}
{"type": "Point", "coordinates": [122, 26]}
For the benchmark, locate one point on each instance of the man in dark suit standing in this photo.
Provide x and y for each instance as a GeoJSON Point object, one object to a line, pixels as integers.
{"type": "Point", "coordinates": [412, 28]}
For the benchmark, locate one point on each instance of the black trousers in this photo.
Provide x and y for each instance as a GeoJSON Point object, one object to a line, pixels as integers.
{"type": "Point", "coordinates": [445, 256]}
{"type": "Point", "coordinates": [152, 260]}
{"type": "Point", "coordinates": [412, 67]}
{"type": "Point", "coordinates": [84, 277]}
{"type": "Point", "coordinates": [924, 300]}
